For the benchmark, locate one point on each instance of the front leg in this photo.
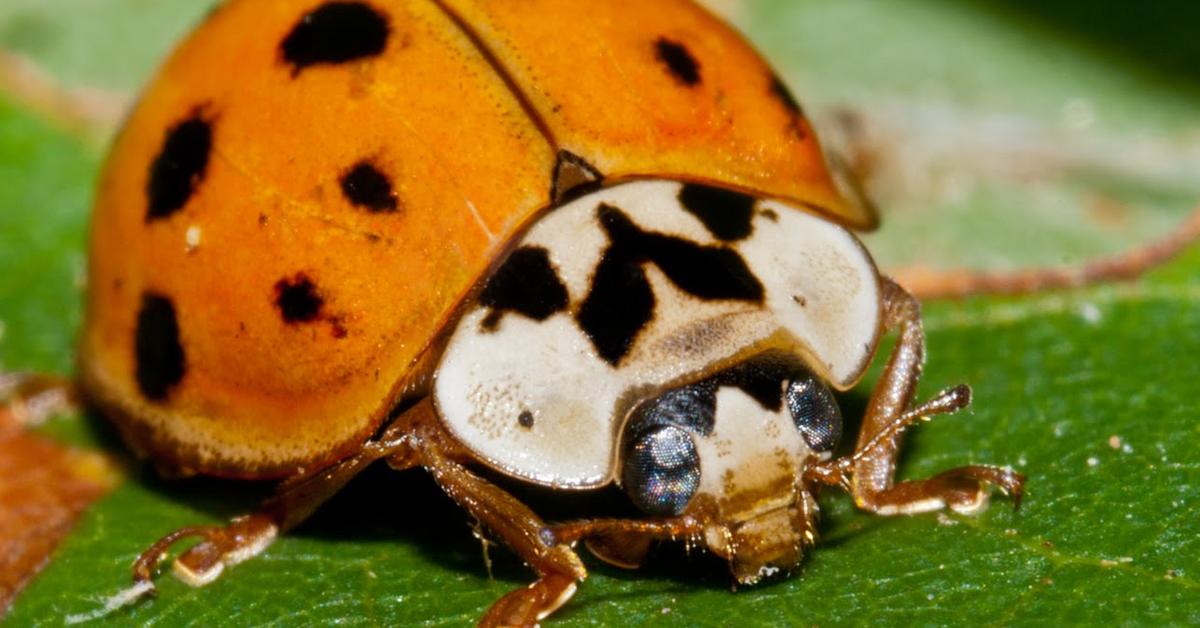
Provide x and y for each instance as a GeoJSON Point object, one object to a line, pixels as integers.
{"type": "Point", "coordinates": [557, 565]}
{"type": "Point", "coordinates": [871, 470]}
{"type": "Point", "coordinates": [625, 542]}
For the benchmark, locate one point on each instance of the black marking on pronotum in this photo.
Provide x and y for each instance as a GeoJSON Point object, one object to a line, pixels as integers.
{"type": "Point", "coordinates": [180, 166]}
{"type": "Point", "coordinates": [160, 361]}
{"type": "Point", "coordinates": [525, 283]}
{"type": "Point", "coordinates": [573, 177]}
{"type": "Point", "coordinates": [334, 33]}
{"type": "Point", "coordinates": [619, 304]}
{"type": "Point", "coordinates": [621, 301]}
{"type": "Point", "coordinates": [525, 419]}
{"type": "Point", "coordinates": [298, 299]}
{"type": "Point", "coordinates": [725, 213]}
{"type": "Point", "coordinates": [365, 186]}
{"type": "Point", "coordinates": [706, 272]}
{"type": "Point", "coordinates": [678, 61]}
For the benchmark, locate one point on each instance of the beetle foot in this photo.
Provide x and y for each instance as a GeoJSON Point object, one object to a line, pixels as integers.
{"type": "Point", "coordinates": [963, 490]}
{"type": "Point", "coordinates": [244, 538]}
{"type": "Point", "coordinates": [528, 606]}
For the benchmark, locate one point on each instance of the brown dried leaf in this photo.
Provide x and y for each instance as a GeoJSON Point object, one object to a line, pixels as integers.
{"type": "Point", "coordinates": [44, 488]}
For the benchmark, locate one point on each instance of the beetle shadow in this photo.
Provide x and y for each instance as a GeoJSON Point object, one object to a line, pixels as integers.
{"type": "Point", "coordinates": [409, 507]}
{"type": "Point", "coordinates": [853, 405]}
{"type": "Point", "coordinates": [211, 496]}
{"type": "Point", "coordinates": [394, 506]}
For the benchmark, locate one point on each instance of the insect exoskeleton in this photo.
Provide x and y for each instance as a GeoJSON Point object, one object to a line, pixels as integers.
{"type": "Point", "coordinates": [468, 233]}
{"type": "Point", "coordinates": [676, 338]}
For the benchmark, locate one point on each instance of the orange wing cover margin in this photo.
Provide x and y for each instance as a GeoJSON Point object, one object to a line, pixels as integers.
{"type": "Point", "coordinates": [464, 111]}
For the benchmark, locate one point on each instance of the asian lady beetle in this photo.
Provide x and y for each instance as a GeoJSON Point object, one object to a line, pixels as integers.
{"type": "Point", "coordinates": [578, 249]}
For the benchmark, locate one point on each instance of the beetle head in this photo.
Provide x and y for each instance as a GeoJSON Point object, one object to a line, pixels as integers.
{"type": "Point", "coordinates": [731, 452]}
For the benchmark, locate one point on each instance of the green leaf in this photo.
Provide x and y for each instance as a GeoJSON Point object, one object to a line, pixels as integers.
{"type": "Point", "coordinates": [45, 182]}
{"type": "Point", "coordinates": [1090, 393]}
{"type": "Point", "coordinates": [112, 44]}
{"type": "Point", "coordinates": [1013, 133]}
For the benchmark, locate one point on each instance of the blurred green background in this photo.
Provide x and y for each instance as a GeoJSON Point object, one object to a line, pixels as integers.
{"type": "Point", "coordinates": [1003, 134]}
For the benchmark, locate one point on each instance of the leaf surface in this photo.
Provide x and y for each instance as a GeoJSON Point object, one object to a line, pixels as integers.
{"type": "Point", "coordinates": [1091, 393]}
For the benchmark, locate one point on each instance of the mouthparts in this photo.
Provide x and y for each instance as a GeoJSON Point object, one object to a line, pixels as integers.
{"type": "Point", "coordinates": [768, 544]}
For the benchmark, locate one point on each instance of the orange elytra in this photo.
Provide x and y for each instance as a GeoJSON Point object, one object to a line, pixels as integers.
{"type": "Point", "coordinates": [223, 197]}
{"type": "Point", "coordinates": [578, 245]}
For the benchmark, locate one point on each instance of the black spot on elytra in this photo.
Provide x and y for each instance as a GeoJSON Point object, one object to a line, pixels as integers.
{"type": "Point", "coordinates": [621, 301]}
{"type": "Point", "coordinates": [525, 283]}
{"type": "Point", "coordinates": [678, 61]}
{"type": "Point", "coordinates": [336, 32]}
{"type": "Point", "coordinates": [179, 167]}
{"type": "Point", "coordinates": [725, 213]}
{"type": "Point", "coordinates": [784, 95]}
{"type": "Point", "coordinates": [160, 362]}
{"type": "Point", "coordinates": [365, 186]}
{"type": "Point", "coordinates": [298, 299]}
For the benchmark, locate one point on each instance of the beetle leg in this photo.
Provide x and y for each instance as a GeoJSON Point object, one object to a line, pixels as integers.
{"type": "Point", "coordinates": [625, 542]}
{"type": "Point", "coordinates": [31, 399]}
{"type": "Point", "coordinates": [873, 465]}
{"type": "Point", "coordinates": [244, 538]}
{"type": "Point", "coordinates": [557, 565]}
{"type": "Point", "coordinates": [249, 535]}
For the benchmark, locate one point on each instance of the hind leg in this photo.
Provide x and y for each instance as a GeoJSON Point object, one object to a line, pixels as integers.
{"type": "Point", "coordinates": [249, 535]}
{"type": "Point", "coordinates": [416, 439]}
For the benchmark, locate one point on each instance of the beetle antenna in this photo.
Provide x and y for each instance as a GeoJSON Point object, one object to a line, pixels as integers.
{"type": "Point", "coordinates": [946, 402]}
{"type": "Point", "coordinates": [837, 471]}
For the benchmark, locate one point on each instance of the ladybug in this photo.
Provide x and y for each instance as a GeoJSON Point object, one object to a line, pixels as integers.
{"type": "Point", "coordinates": [576, 247]}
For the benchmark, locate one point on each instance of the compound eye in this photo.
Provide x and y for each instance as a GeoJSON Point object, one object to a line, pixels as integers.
{"type": "Point", "coordinates": [816, 413]}
{"type": "Point", "coordinates": [662, 470]}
